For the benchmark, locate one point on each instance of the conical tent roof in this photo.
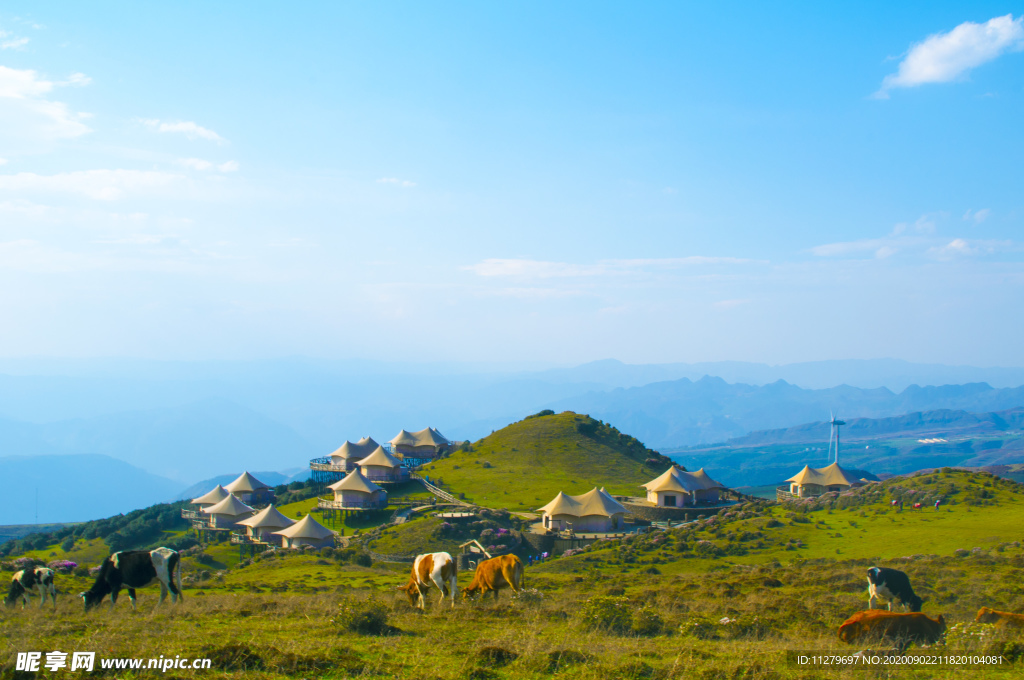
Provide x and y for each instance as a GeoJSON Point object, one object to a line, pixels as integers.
{"type": "Point", "coordinates": [829, 475]}
{"type": "Point", "coordinates": [212, 497]}
{"type": "Point", "coordinates": [561, 505]}
{"type": "Point", "coordinates": [674, 479]}
{"type": "Point", "coordinates": [355, 450]}
{"type": "Point", "coordinates": [246, 483]}
{"type": "Point", "coordinates": [268, 517]}
{"type": "Point", "coordinates": [355, 481]}
{"type": "Point", "coordinates": [595, 502]}
{"type": "Point", "coordinates": [705, 479]}
{"type": "Point", "coordinates": [230, 506]}
{"type": "Point", "coordinates": [380, 458]}
{"type": "Point", "coordinates": [425, 437]}
{"type": "Point", "coordinates": [307, 527]}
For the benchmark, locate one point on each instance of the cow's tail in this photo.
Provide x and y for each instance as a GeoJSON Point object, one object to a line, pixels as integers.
{"type": "Point", "coordinates": [174, 580]}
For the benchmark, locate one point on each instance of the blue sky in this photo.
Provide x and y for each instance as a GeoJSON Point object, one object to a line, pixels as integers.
{"type": "Point", "coordinates": [475, 182]}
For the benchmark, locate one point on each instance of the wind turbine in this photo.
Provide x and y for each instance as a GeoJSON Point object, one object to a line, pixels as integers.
{"type": "Point", "coordinates": [835, 428]}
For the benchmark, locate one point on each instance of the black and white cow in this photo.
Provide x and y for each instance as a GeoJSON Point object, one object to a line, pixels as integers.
{"type": "Point", "coordinates": [891, 585]}
{"type": "Point", "coordinates": [133, 569]}
{"type": "Point", "coordinates": [32, 581]}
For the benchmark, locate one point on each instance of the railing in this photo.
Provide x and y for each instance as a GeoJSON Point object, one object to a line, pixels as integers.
{"type": "Point", "coordinates": [403, 476]}
{"type": "Point", "coordinates": [193, 514]}
{"type": "Point", "coordinates": [782, 493]}
{"type": "Point", "coordinates": [326, 467]}
{"type": "Point", "coordinates": [440, 493]}
{"type": "Point", "coordinates": [350, 505]}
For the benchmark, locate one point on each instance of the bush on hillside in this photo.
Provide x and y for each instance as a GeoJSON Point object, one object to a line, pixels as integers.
{"type": "Point", "coordinates": [364, 618]}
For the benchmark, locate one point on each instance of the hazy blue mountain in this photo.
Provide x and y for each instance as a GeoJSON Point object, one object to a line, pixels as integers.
{"type": "Point", "coordinates": [685, 413]}
{"type": "Point", "coordinates": [881, 446]}
{"type": "Point", "coordinates": [75, 488]}
{"type": "Point", "coordinates": [930, 424]}
{"type": "Point", "coordinates": [199, 488]}
{"type": "Point", "coordinates": [185, 443]}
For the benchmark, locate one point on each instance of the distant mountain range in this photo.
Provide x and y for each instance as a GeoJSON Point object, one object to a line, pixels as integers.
{"type": "Point", "coordinates": [196, 421]}
{"type": "Point", "coordinates": [896, 445]}
{"type": "Point", "coordinates": [667, 415]}
{"type": "Point", "coordinates": [75, 488]}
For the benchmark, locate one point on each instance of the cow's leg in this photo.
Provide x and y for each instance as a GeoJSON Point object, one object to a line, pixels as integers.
{"type": "Point", "coordinates": [131, 596]}
{"type": "Point", "coordinates": [421, 600]}
{"type": "Point", "coordinates": [163, 593]}
{"type": "Point", "coordinates": [113, 597]}
{"type": "Point", "coordinates": [510, 577]}
{"type": "Point", "coordinates": [175, 587]}
{"type": "Point", "coordinates": [442, 587]}
{"type": "Point", "coordinates": [872, 601]}
{"type": "Point", "coordinates": [42, 596]}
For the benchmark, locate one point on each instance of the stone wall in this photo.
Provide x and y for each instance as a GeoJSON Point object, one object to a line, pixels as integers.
{"type": "Point", "coordinates": [653, 513]}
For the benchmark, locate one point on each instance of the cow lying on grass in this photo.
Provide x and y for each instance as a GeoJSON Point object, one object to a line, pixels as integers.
{"type": "Point", "coordinates": [505, 571]}
{"type": "Point", "coordinates": [32, 581]}
{"type": "Point", "coordinates": [1001, 619]}
{"type": "Point", "coordinates": [898, 628]}
{"type": "Point", "coordinates": [133, 569]}
{"type": "Point", "coordinates": [433, 568]}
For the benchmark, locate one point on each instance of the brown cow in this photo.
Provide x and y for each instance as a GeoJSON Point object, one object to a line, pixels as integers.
{"type": "Point", "coordinates": [1001, 619]}
{"type": "Point", "coordinates": [438, 568]}
{"type": "Point", "coordinates": [505, 571]}
{"type": "Point", "coordinates": [899, 628]}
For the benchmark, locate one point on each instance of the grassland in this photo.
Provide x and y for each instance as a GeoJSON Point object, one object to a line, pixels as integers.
{"type": "Point", "coordinates": [524, 465]}
{"type": "Point", "coordinates": [650, 606]}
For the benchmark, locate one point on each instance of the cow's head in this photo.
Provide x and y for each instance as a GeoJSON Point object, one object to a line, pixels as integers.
{"type": "Point", "coordinates": [411, 591]}
{"type": "Point", "coordinates": [90, 599]}
{"type": "Point", "coordinates": [470, 590]}
{"type": "Point", "coordinates": [986, 615]}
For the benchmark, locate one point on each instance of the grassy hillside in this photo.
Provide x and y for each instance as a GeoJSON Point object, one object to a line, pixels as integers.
{"type": "Point", "coordinates": [524, 465]}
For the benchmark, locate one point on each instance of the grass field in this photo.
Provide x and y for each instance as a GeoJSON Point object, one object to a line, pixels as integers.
{"type": "Point", "coordinates": [781, 577]}
{"type": "Point", "coordinates": [523, 466]}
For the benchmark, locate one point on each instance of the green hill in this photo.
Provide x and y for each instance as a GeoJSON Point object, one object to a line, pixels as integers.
{"type": "Point", "coordinates": [524, 465]}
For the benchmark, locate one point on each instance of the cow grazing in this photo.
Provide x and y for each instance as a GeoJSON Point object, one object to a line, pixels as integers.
{"type": "Point", "coordinates": [32, 581]}
{"type": "Point", "coordinates": [891, 585]}
{"type": "Point", "coordinates": [133, 569]}
{"type": "Point", "coordinates": [899, 628]}
{"type": "Point", "coordinates": [1001, 619]}
{"type": "Point", "coordinates": [494, 574]}
{"type": "Point", "coordinates": [433, 568]}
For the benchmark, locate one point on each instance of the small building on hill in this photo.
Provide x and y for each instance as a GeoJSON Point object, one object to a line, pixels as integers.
{"type": "Point", "coordinates": [417, 448]}
{"type": "Point", "coordinates": [594, 511]}
{"type": "Point", "coordinates": [381, 467]}
{"type": "Point", "coordinates": [811, 482]}
{"type": "Point", "coordinates": [228, 513]}
{"type": "Point", "coordinates": [356, 492]}
{"type": "Point", "coordinates": [307, 531]}
{"type": "Point", "coordinates": [250, 490]}
{"type": "Point", "coordinates": [262, 525]}
{"type": "Point", "coordinates": [677, 488]}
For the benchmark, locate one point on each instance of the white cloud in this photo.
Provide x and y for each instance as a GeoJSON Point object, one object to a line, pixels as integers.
{"type": "Point", "coordinates": [977, 216]}
{"type": "Point", "coordinates": [394, 180]}
{"type": "Point", "coordinates": [13, 44]}
{"type": "Point", "coordinates": [77, 80]}
{"type": "Point", "coordinates": [101, 185]}
{"type": "Point", "coordinates": [26, 112]}
{"type": "Point", "coordinates": [187, 128]}
{"type": "Point", "coordinates": [943, 57]}
{"type": "Point", "coordinates": [204, 165]}
{"type": "Point", "coordinates": [3, 161]}
{"type": "Point", "coordinates": [540, 269]}
{"type": "Point", "coordinates": [729, 304]}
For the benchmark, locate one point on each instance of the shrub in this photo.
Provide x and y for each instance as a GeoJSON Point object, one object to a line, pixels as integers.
{"type": "Point", "coordinates": [496, 656]}
{"type": "Point", "coordinates": [646, 621]}
{"type": "Point", "coordinates": [707, 549]}
{"type": "Point", "coordinates": [68, 544]}
{"type": "Point", "coordinates": [606, 612]}
{"type": "Point", "coordinates": [364, 618]}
